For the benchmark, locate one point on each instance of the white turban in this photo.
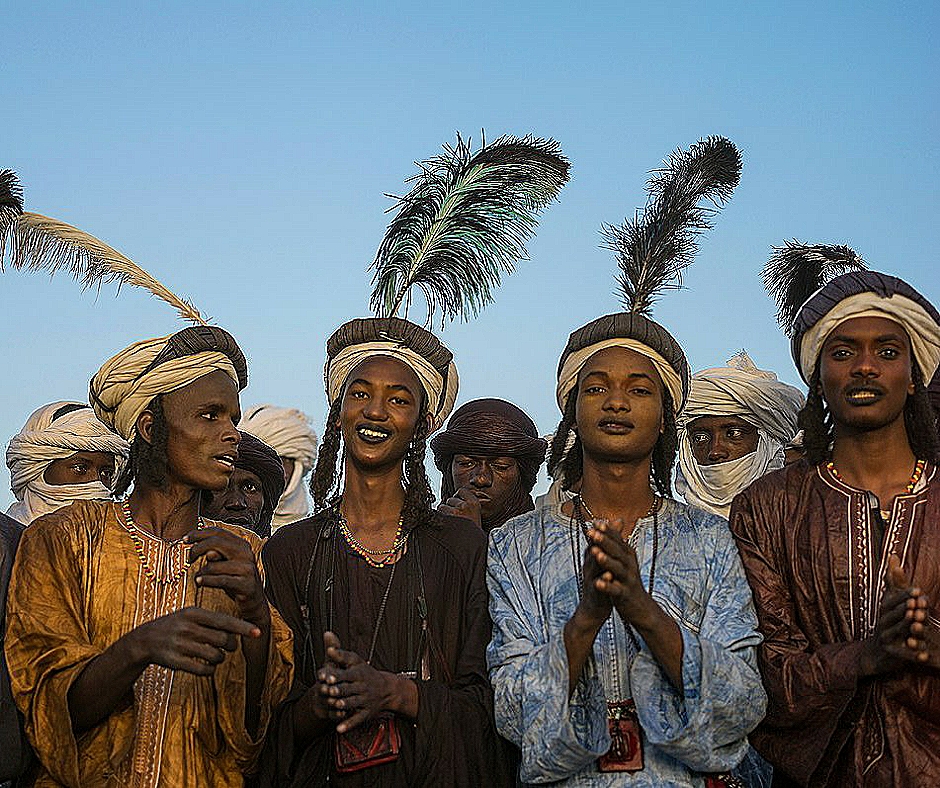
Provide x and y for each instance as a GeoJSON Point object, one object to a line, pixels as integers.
{"type": "Point", "coordinates": [756, 396]}
{"type": "Point", "coordinates": [441, 394]}
{"type": "Point", "coordinates": [922, 329]}
{"type": "Point", "coordinates": [288, 432]}
{"type": "Point", "coordinates": [568, 377]}
{"type": "Point", "coordinates": [44, 439]}
{"type": "Point", "coordinates": [124, 386]}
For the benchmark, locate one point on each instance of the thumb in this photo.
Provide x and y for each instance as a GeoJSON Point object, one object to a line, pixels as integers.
{"type": "Point", "coordinates": [896, 575]}
{"type": "Point", "coordinates": [330, 640]}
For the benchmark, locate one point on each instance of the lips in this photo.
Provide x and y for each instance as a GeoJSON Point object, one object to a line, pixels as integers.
{"type": "Point", "coordinates": [372, 433]}
{"type": "Point", "coordinates": [611, 427]}
{"type": "Point", "coordinates": [227, 461]}
{"type": "Point", "coordinates": [863, 395]}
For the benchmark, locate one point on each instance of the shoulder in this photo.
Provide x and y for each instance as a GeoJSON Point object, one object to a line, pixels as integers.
{"type": "Point", "coordinates": [78, 523]}
{"type": "Point", "coordinates": [684, 524]}
{"type": "Point", "coordinates": [10, 532]}
{"type": "Point", "coordinates": [299, 535]}
{"type": "Point", "coordinates": [454, 539]}
{"type": "Point", "coordinates": [780, 482]}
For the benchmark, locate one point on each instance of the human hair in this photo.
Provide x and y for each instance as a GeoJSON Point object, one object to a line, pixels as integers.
{"type": "Point", "coordinates": [147, 463]}
{"type": "Point", "coordinates": [325, 481]}
{"type": "Point", "coordinates": [920, 421]}
{"type": "Point", "coordinates": [571, 463]}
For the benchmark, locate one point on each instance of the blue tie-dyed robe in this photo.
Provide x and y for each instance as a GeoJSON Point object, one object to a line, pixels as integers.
{"type": "Point", "coordinates": [699, 581]}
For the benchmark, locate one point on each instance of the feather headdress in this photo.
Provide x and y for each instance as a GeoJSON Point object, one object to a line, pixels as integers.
{"type": "Point", "coordinates": [655, 247]}
{"type": "Point", "coordinates": [34, 242]}
{"type": "Point", "coordinates": [796, 270]}
{"type": "Point", "coordinates": [465, 222]}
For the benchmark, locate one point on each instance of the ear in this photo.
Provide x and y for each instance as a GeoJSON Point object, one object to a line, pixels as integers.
{"type": "Point", "coordinates": [144, 426]}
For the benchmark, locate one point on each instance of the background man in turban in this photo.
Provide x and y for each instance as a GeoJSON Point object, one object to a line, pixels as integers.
{"type": "Point", "coordinates": [734, 428]}
{"type": "Point", "coordinates": [843, 550]}
{"type": "Point", "coordinates": [139, 639]}
{"type": "Point", "coordinates": [288, 432]}
{"type": "Point", "coordinates": [62, 454]}
{"type": "Point", "coordinates": [386, 597]}
{"type": "Point", "coordinates": [624, 635]}
{"type": "Point", "coordinates": [253, 489]}
{"type": "Point", "coordinates": [489, 458]}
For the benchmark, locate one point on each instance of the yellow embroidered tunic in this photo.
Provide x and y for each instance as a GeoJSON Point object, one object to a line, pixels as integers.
{"type": "Point", "coordinates": [78, 585]}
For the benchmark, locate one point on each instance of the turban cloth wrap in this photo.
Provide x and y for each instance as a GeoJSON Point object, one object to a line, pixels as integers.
{"type": "Point", "coordinates": [126, 384]}
{"type": "Point", "coordinates": [739, 389]}
{"type": "Point", "coordinates": [866, 294]}
{"type": "Point", "coordinates": [288, 432]}
{"type": "Point", "coordinates": [365, 338]}
{"type": "Point", "coordinates": [52, 433]}
{"type": "Point", "coordinates": [492, 428]}
{"type": "Point", "coordinates": [633, 332]}
{"type": "Point", "coordinates": [255, 456]}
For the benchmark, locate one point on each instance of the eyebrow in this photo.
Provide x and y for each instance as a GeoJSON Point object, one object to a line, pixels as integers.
{"type": "Point", "coordinates": [631, 376]}
{"type": "Point", "coordinates": [893, 337]}
{"type": "Point", "coordinates": [369, 383]}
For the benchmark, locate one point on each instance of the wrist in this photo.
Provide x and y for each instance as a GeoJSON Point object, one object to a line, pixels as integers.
{"type": "Point", "coordinates": [641, 611]}
{"type": "Point", "coordinates": [258, 614]}
{"type": "Point", "coordinates": [586, 621]}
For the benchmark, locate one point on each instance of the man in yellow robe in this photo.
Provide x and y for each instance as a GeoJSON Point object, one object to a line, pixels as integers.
{"type": "Point", "coordinates": [141, 649]}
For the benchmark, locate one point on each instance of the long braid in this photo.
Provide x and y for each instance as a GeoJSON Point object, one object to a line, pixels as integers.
{"type": "Point", "coordinates": [920, 420]}
{"type": "Point", "coordinates": [568, 462]}
{"type": "Point", "coordinates": [325, 477]}
{"type": "Point", "coordinates": [418, 495]}
{"type": "Point", "coordinates": [147, 462]}
{"type": "Point", "coordinates": [664, 452]}
{"type": "Point", "coordinates": [816, 422]}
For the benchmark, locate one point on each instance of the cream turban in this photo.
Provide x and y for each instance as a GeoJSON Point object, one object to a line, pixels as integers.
{"type": "Point", "coordinates": [288, 432]}
{"type": "Point", "coordinates": [121, 390]}
{"type": "Point", "coordinates": [54, 432]}
{"type": "Point", "coordinates": [358, 340]}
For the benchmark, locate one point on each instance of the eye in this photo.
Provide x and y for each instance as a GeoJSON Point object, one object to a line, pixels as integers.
{"type": "Point", "coordinates": [403, 401]}
{"type": "Point", "coordinates": [699, 437]}
{"type": "Point", "coordinates": [735, 433]}
{"type": "Point", "coordinates": [80, 468]}
{"type": "Point", "coordinates": [890, 352]}
{"type": "Point", "coordinates": [840, 353]}
{"type": "Point", "coordinates": [356, 394]}
{"type": "Point", "coordinates": [210, 415]}
{"type": "Point", "coordinates": [641, 391]}
{"type": "Point", "coordinates": [502, 467]}
{"type": "Point", "coordinates": [593, 390]}
{"type": "Point", "coordinates": [250, 487]}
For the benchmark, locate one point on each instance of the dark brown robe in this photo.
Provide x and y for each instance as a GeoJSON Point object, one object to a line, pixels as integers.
{"type": "Point", "coordinates": [453, 742]}
{"type": "Point", "coordinates": [816, 555]}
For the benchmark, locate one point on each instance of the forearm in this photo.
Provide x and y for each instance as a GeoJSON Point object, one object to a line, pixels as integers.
{"type": "Point", "coordinates": [106, 683]}
{"type": "Point", "coordinates": [662, 636]}
{"type": "Point", "coordinates": [402, 696]}
{"type": "Point", "coordinates": [579, 634]}
{"type": "Point", "coordinates": [307, 718]}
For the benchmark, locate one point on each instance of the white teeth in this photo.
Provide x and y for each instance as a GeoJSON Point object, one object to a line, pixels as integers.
{"type": "Point", "coordinates": [369, 433]}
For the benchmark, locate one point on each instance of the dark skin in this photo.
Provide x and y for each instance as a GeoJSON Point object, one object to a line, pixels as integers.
{"type": "Point", "coordinates": [382, 402]}
{"type": "Point", "coordinates": [865, 378]}
{"type": "Point", "coordinates": [201, 446]}
{"type": "Point", "coordinates": [717, 439]}
{"type": "Point", "coordinates": [80, 468]}
{"type": "Point", "coordinates": [240, 503]}
{"type": "Point", "coordinates": [619, 419]}
{"type": "Point", "coordinates": [489, 480]}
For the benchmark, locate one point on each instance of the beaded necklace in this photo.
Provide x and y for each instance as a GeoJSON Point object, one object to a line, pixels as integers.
{"type": "Point", "coordinates": [134, 532]}
{"type": "Point", "coordinates": [368, 554]}
{"type": "Point", "coordinates": [915, 476]}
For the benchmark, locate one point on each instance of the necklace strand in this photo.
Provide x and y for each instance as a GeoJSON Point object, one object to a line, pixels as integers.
{"type": "Point", "coordinates": [369, 554]}
{"type": "Point", "coordinates": [133, 531]}
{"type": "Point", "coordinates": [915, 476]}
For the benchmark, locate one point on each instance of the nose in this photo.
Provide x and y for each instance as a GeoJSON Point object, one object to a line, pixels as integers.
{"type": "Point", "coordinates": [617, 399]}
{"type": "Point", "coordinates": [866, 364]}
{"type": "Point", "coordinates": [717, 449]}
{"type": "Point", "coordinates": [482, 476]}
{"type": "Point", "coordinates": [235, 500]}
{"type": "Point", "coordinates": [232, 435]}
{"type": "Point", "coordinates": [375, 409]}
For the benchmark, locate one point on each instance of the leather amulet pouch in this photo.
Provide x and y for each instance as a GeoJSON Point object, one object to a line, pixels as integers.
{"type": "Point", "coordinates": [626, 745]}
{"type": "Point", "coordinates": [373, 743]}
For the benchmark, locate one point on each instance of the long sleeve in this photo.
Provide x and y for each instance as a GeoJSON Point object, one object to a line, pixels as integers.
{"type": "Point", "coordinates": [809, 689]}
{"type": "Point", "coordinates": [722, 698]}
{"type": "Point", "coordinates": [558, 736]}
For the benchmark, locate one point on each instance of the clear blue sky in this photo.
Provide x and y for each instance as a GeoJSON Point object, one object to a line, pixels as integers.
{"type": "Point", "coordinates": [241, 154]}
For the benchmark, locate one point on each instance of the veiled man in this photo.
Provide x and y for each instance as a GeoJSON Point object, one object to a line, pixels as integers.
{"type": "Point", "coordinates": [142, 650]}
{"type": "Point", "coordinates": [386, 597]}
{"type": "Point", "coordinates": [288, 432]}
{"type": "Point", "coordinates": [489, 458]}
{"type": "Point", "coordinates": [842, 550]}
{"type": "Point", "coordinates": [253, 490]}
{"type": "Point", "coordinates": [63, 454]}
{"type": "Point", "coordinates": [736, 427]}
{"type": "Point", "coordinates": [624, 646]}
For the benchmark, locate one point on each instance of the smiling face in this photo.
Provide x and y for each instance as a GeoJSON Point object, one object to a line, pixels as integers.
{"type": "Point", "coordinates": [202, 442]}
{"type": "Point", "coordinates": [717, 439]}
{"type": "Point", "coordinates": [493, 480]}
{"type": "Point", "coordinates": [381, 403]}
{"type": "Point", "coordinates": [240, 503]}
{"type": "Point", "coordinates": [619, 411]}
{"type": "Point", "coordinates": [865, 373]}
{"type": "Point", "coordinates": [80, 468]}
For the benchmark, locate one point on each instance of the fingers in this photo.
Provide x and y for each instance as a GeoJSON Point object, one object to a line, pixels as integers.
{"type": "Point", "coordinates": [343, 658]}
{"type": "Point", "coordinates": [213, 619]}
{"type": "Point", "coordinates": [358, 718]}
{"type": "Point", "coordinates": [897, 578]}
{"type": "Point", "coordinates": [217, 544]}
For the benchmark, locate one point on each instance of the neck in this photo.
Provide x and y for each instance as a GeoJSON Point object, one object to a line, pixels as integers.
{"type": "Point", "coordinates": [868, 459]}
{"type": "Point", "coordinates": [170, 512]}
{"type": "Point", "coordinates": [615, 490]}
{"type": "Point", "coordinates": [372, 499]}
